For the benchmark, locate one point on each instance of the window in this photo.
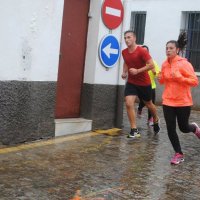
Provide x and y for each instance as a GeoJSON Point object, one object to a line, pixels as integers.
{"type": "Point", "coordinates": [191, 24]}
{"type": "Point", "coordinates": [138, 21]}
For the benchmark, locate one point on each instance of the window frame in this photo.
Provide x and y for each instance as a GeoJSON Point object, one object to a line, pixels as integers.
{"type": "Point", "coordinates": [193, 30]}
{"type": "Point", "coordinates": [135, 23]}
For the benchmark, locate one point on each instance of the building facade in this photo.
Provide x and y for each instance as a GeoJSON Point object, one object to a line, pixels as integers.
{"type": "Point", "coordinates": [158, 21]}
{"type": "Point", "coordinates": [51, 71]}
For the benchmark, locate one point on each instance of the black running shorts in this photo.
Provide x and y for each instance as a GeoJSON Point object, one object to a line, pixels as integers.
{"type": "Point", "coordinates": [143, 92]}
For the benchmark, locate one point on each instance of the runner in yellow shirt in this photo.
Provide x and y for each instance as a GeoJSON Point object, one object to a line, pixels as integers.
{"type": "Point", "coordinates": [152, 74]}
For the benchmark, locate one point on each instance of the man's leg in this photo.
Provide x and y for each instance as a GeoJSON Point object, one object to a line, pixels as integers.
{"type": "Point", "coordinates": [130, 107]}
{"type": "Point", "coordinates": [153, 96]}
{"type": "Point", "coordinates": [145, 93]}
{"type": "Point", "coordinates": [130, 103]}
{"type": "Point", "coordinates": [141, 104]}
{"type": "Point", "coordinates": [152, 109]}
{"type": "Point", "coordinates": [140, 107]}
{"type": "Point", "coordinates": [130, 94]}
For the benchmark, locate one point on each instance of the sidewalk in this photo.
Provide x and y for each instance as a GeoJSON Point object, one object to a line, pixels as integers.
{"type": "Point", "coordinates": [96, 166]}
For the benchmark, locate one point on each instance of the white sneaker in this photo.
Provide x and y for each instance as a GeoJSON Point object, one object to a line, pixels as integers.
{"type": "Point", "coordinates": [150, 121]}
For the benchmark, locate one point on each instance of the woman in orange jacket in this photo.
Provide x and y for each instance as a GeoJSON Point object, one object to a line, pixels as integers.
{"type": "Point", "coordinates": [177, 75]}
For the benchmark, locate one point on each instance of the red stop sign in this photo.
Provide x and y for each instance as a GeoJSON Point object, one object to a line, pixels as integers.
{"type": "Point", "coordinates": [112, 13]}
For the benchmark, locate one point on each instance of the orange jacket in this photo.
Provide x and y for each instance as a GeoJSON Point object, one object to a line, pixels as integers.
{"type": "Point", "coordinates": [177, 77]}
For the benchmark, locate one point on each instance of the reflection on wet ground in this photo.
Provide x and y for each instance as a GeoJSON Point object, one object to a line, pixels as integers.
{"type": "Point", "coordinates": [102, 166]}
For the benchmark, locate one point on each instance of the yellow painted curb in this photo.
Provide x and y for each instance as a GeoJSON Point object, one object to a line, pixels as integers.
{"type": "Point", "coordinates": [46, 142]}
{"type": "Point", "coordinates": [111, 132]}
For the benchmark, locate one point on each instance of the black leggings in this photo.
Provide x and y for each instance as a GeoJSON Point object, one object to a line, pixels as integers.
{"type": "Point", "coordinates": [182, 114]}
{"type": "Point", "coordinates": [141, 103]}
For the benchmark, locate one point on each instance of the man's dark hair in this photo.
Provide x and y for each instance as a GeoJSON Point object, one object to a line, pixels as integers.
{"type": "Point", "coordinates": [129, 31]}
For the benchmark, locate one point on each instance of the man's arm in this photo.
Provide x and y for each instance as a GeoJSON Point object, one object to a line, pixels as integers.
{"type": "Point", "coordinates": [125, 71]}
{"type": "Point", "coordinates": [149, 66]}
{"type": "Point", "coordinates": [156, 69]}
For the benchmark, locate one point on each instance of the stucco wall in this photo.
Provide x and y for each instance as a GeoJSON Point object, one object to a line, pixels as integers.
{"type": "Point", "coordinates": [95, 72]}
{"type": "Point", "coordinates": [100, 99]}
{"type": "Point", "coordinates": [30, 39]}
{"type": "Point", "coordinates": [163, 21]}
{"type": "Point", "coordinates": [30, 43]}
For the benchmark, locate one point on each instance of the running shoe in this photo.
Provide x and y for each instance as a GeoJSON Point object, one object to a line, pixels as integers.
{"type": "Point", "coordinates": [156, 127]}
{"type": "Point", "coordinates": [177, 158]}
{"type": "Point", "coordinates": [134, 133]}
{"type": "Point", "coordinates": [150, 121]}
{"type": "Point", "coordinates": [197, 131]}
{"type": "Point", "coordinates": [139, 113]}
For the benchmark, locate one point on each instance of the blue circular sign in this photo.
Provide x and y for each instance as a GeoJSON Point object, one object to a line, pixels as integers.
{"type": "Point", "coordinates": [109, 50]}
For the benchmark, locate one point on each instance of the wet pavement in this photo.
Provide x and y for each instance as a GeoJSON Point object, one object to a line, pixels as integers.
{"type": "Point", "coordinates": [102, 166]}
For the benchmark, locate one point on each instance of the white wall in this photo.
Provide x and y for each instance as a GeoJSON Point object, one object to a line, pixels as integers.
{"type": "Point", "coordinates": [95, 72]}
{"type": "Point", "coordinates": [162, 24]}
{"type": "Point", "coordinates": [30, 39]}
{"type": "Point", "coordinates": [31, 30]}
{"type": "Point", "coordinates": [163, 21]}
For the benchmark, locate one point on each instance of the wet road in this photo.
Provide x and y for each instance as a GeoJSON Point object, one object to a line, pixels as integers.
{"type": "Point", "coordinates": [98, 166]}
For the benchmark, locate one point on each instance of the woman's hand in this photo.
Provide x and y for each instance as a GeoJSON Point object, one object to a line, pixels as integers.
{"type": "Point", "coordinates": [176, 75]}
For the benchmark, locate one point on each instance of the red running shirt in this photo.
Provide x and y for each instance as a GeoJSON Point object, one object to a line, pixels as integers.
{"type": "Point", "coordinates": [137, 59]}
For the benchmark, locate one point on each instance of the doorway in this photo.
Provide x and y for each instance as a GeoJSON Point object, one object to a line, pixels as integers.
{"type": "Point", "coordinates": [72, 58]}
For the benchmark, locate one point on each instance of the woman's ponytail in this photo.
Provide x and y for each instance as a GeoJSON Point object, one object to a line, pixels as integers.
{"type": "Point", "coordinates": [182, 40]}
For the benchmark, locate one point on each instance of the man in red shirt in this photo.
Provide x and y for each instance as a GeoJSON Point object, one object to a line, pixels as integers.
{"type": "Point", "coordinates": [137, 62]}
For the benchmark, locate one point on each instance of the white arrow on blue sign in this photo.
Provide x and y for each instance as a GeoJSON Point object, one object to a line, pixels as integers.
{"type": "Point", "coordinates": [109, 50]}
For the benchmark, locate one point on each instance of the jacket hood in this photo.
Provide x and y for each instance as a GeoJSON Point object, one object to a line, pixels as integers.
{"type": "Point", "coordinates": [176, 58]}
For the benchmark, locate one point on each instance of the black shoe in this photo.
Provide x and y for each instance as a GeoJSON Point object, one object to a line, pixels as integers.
{"type": "Point", "coordinates": [156, 127]}
{"type": "Point", "coordinates": [133, 133]}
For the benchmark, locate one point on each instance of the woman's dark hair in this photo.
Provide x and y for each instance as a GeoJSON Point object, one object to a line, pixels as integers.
{"type": "Point", "coordinates": [181, 42]}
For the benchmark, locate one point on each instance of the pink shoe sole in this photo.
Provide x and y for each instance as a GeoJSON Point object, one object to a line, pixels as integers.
{"type": "Point", "coordinates": [177, 162]}
{"type": "Point", "coordinates": [197, 131]}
